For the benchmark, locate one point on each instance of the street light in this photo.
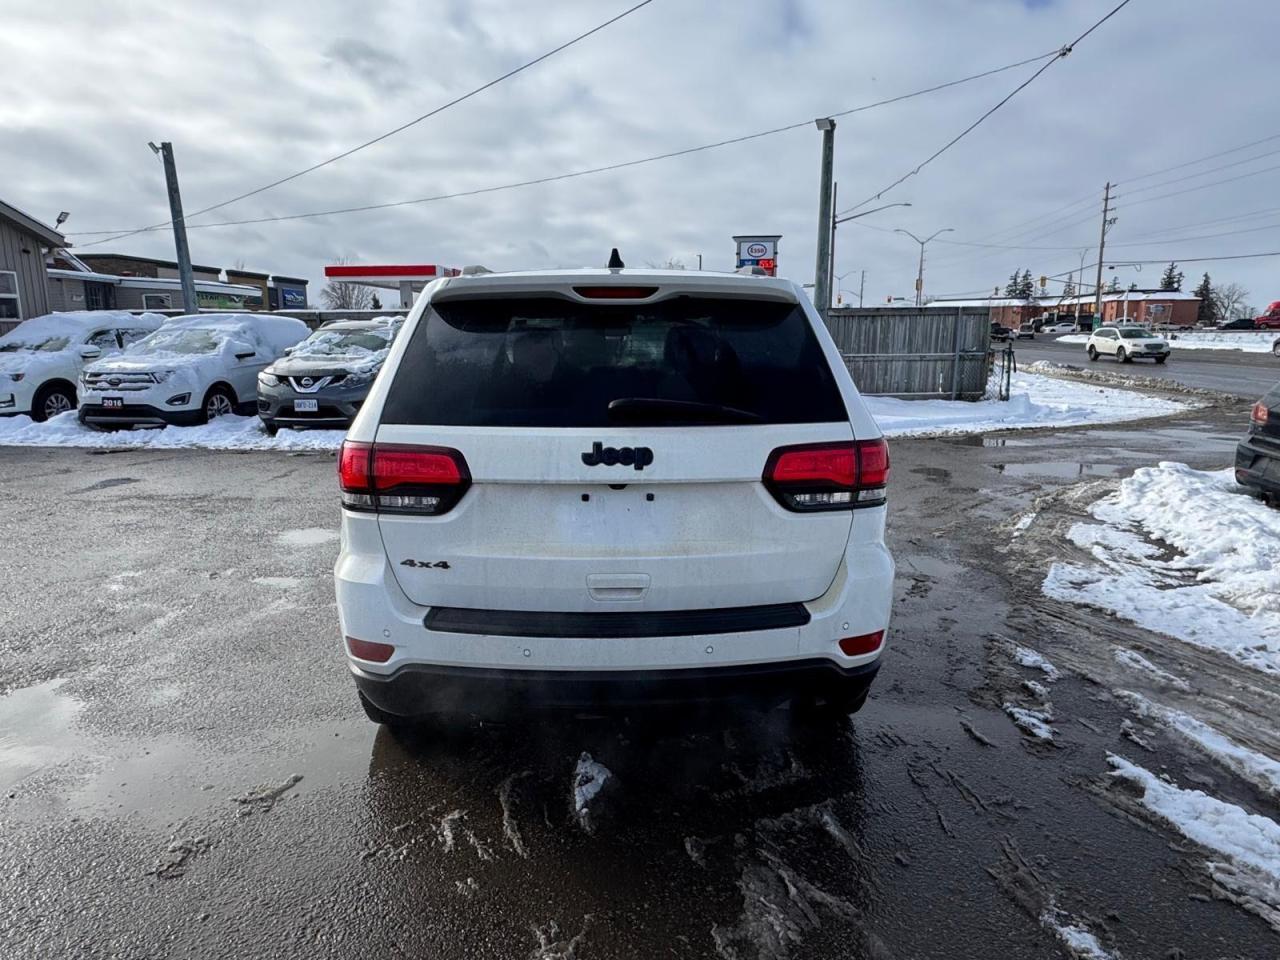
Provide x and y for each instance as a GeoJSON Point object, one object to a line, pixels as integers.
{"type": "Point", "coordinates": [920, 270]}
{"type": "Point", "coordinates": [836, 221]}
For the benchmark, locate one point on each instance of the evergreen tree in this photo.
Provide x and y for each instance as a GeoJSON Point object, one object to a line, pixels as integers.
{"type": "Point", "coordinates": [1207, 311]}
{"type": "Point", "coordinates": [1172, 279]}
{"type": "Point", "coordinates": [376, 304]}
{"type": "Point", "coordinates": [1026, 286]}
{"type": "Point", "coordinates": [1069, 288]}
{"type": "Point", "coordinates": [1013, 286]}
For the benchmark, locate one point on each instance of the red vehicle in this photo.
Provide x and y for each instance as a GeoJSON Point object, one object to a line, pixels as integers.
{"type": "Point", "coordinates": [1270, 320]}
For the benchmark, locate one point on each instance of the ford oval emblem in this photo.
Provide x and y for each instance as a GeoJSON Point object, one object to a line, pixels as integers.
{"type": "Point", "coordinates": [114, 381]}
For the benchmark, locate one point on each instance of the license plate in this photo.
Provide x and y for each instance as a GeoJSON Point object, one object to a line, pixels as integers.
{"type": "Point", "coordinates": [113, 403]}
{"type": "Point", "coordinates": [306, 406]}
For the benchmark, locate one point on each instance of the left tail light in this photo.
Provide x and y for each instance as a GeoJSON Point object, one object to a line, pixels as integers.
{"type": "Point", "coordinates": [401, 478]}
{"type": "Point", "coordinates": [1259, 414]}
{"type": "Point", "coordinates": [829, 476]}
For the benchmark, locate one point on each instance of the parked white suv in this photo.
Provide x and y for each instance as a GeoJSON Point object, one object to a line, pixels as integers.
{"type": "Point", "coordinates": [612, 486]}
{"type": "Point", "coordinates": [193, 369]}
{"type": "Point", "coordinates": [41, 358]}
{"type": "Point", "coordinates": [1127, 344]}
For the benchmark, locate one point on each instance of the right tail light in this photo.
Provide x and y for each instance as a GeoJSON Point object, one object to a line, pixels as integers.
{"type": "Point", "coordinates": [1259, 413]}
{"type": "Point", "coordinates": [401, 478]}
{"type": "Point", "coordinates": [829, 476]}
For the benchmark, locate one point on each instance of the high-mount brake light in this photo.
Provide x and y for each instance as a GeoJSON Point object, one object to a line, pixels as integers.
{"type": "Point", "coordinates": [401, 478]}
{"type": "Point", "coordinates": [615, 292]}
{"type": "Point", "coordinates": [829, 476]}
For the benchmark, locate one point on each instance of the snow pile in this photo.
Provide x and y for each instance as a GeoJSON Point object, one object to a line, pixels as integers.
{"type": "Point", "coordinates": [1033, 718]}
{"type": "Point", "coordinates": [589, 778]}
{"type": "Point", "coordinates": [1221, 588]}
{"type": "Point", "coordinates": [1249, 843]}
{"type": "Point", "coordinates": [224, 433]}
{"type": "Point", "coordinates": [1075, 936]}
{"type": "Point", "coordinates": [1136, 661]}
{"type": "Point", "coordinates": [1035, 401]}
{"type": "Point", "coordinates": [1248, 341]}
{"type": "Point", "coordinates": [1259, 769]}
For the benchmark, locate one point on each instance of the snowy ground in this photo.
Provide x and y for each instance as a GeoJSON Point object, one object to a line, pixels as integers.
{"type": "Point", "coordinates": [226, 433]}
{"type": "Point", "coordinates": [1186, 553]}
{"type": "Point", "coordinates": [1247, 341]}
{"type": "Point", "coordinates": [1037, 401]}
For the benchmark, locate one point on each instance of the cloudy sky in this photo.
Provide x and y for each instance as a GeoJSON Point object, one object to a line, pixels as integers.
{"type": "Point", "coordinates": [249, 92]}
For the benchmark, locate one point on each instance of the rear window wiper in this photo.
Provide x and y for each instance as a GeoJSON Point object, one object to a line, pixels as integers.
{"type": "Point", "coordinates": [652, 411]}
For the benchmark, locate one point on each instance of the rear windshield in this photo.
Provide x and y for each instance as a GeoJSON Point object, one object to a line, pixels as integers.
{"type": "Point", "coordinates": [550, 362]}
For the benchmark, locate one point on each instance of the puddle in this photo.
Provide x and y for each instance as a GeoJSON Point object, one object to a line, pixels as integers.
{"type": "Point", "coordinates": [1059, 468]}
{"type": "Point", "coordinates": [978, 440]}
{"type": "Point", "coordinates": [308, 537]}
{"type": "Point", "coordinates": [35, 731]}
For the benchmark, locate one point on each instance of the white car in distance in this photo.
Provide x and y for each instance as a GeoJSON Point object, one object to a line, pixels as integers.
{"type": "Point", "coordinates": [41, 359]}
{"type": "Point", "coordinates": [1063, 327]}
{"type": "Point", "coordinates": [192, 370]}
{"type": "Point", "coordinates": [1126, 344]}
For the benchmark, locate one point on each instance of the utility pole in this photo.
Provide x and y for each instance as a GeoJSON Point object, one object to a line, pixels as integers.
{"type": "Point", "coordinates": [822, 270]}
{"type": "Point", "coordinates": [1102, 245]}
{"type": "Point", "coordinates": [861, 285]}
{"type": "Point", "coordinates": [831, 252]}
{"type": "Point", "coordinates": [189, 301]}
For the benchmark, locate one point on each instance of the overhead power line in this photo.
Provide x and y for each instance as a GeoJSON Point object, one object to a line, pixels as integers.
{"type": "Point", "coordinates": [1192, 163]}
{"type": "Point", "coordinates": [405, 126]}
{"type": "Point", "coordinates": [118, 233]}
{"type": "Point", "coordinates": [1202, 173]}
{"type": "Point", "coordinates": [1063, 52]}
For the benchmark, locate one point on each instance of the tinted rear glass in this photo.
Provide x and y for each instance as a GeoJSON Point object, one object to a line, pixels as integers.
{"type": "Point", "coordinates": [549, 362]}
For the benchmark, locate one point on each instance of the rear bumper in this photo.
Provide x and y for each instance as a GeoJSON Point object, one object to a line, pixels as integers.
{"type": "Point", "coordinates": [1258, 465]}
{"type": "Point", "coordinates": [418, 689]}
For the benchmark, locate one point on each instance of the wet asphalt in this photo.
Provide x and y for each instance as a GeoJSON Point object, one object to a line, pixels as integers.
{"type": "Point", "coordinates": [185, 772]}
{"type": "Point", "coordinates": [1232, 372]}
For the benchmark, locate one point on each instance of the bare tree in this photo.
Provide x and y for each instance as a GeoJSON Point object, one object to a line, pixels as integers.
{"type": "Point", "coordinates": [346, 296]}
{"type": "Point", "coordinates": [672, 263]}
{"type": "Point", "coordinates": [1230, 299]}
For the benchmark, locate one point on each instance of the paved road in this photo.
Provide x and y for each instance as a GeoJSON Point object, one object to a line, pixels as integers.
{"type": "Point", "coordinates": [184, 771]}
{"type": "Point", "coordinates": [1233, 372]}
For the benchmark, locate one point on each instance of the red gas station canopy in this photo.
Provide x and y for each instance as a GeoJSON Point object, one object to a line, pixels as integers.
{"type": "Point", "coordinates": [384, 272]}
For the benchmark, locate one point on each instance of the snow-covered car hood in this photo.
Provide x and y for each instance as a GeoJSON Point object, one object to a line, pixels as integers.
{"type": "Point", "coordinates": [209, 364]}
{"type": "Point", "coordinates": [296, 366]}
{"type": "Point", "coordinates": [29, 361]}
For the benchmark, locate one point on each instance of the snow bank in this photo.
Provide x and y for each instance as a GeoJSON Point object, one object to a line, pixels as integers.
{"type": "Point", "coordinates": [1035, 401]}
{"type": "Point", "coordinates": [1221, 587]}
{"type": "Point", "coordinates": [1248, 341]}
{"type": "Point", "coordinates": [1250, 843]}
{"type": "Point", "coordinates": [225, 433]}
{"type": "Point", "coordinates": [1260, 770]}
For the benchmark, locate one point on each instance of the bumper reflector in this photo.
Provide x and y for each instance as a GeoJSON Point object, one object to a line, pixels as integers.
{"type": "Point", "coordinates": [866, 643]}
{"type": "Point", "coordinates": [368, 650]}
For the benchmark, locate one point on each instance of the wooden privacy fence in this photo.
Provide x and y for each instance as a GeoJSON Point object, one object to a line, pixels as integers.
{"type": "Point", "coordinates": [918, 352]}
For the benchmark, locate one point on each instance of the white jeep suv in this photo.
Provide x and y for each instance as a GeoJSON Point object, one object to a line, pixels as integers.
{"type": "Point", "coordinates": [612, 487]}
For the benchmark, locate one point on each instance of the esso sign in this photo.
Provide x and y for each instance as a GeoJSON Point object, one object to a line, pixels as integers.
{"type": "Point", "coordinates": [757, 250]}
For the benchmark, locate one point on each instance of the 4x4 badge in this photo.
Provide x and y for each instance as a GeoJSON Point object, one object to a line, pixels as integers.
{"type": "Point", "coordinates": [638, 457]}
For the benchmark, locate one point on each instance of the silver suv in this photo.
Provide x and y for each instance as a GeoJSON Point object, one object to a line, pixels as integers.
{"type": "Point", "coordinates": [323, 380]}
{"type": "Point", "coordinates": [612, 487]}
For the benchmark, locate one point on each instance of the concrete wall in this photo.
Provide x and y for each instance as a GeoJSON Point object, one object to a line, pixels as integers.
{"type": "Point", "coordinates": [23, 254]}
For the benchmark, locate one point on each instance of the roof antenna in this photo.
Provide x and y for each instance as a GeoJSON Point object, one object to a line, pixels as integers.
{"type": "Point", "coordinates": [615, 261]}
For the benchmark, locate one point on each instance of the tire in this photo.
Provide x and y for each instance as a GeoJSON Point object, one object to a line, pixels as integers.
{"type": "Point", "coordinates": [1162, 359]}
{"type": "Point", "coordinates": [1275, 349]}
{"type": "Point", "coordinates": [1093, 352]}
{"type": "Point", "coordinates": [1122, 355]}
{"type": "Point", "coordinates": [270, 429]}
{"type": "Point", "coordinates": [375, 713]}
{"type": "Point", "coordinates": [50, 401]}
{"type": "Point", "coordinates": [218, 402]}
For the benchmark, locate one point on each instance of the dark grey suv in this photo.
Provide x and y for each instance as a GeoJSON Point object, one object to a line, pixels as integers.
{"type": "Point", "coordinates": [324, 380]}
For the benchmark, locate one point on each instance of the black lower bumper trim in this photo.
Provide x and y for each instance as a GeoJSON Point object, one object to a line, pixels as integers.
{"type": "Point", "coordinates": [1258, 466]}
{"type": "Point", "coordinates": [137, 413]}
{"type": "Point", "coordinates": [609, 626]}
{"type": "Point", "coordinates": [423, 690]}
